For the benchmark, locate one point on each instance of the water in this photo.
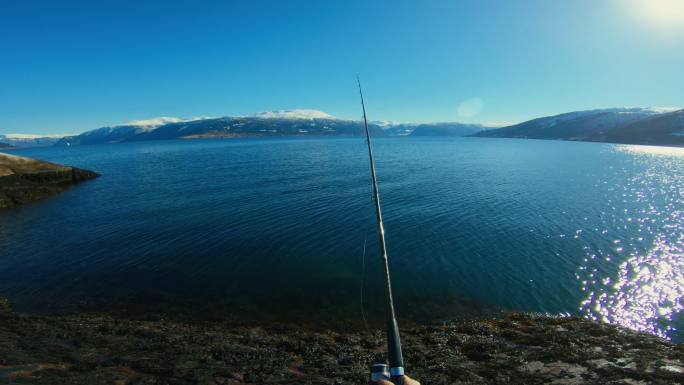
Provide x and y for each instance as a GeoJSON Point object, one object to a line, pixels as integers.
{"type": "Point", "coordinates": [275, 228]}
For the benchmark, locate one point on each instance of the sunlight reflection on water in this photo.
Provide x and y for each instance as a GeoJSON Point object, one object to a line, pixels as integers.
{"type": "Point", "coordinates": [645, 290]}
{"type": "Point", "coordinates": [650, 150]}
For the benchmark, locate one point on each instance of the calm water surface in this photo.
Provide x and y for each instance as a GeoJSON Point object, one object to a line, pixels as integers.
{"type": "Point", "coordinates": [276, 228]}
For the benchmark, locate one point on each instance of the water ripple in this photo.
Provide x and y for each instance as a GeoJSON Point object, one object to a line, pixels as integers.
{"type": "Point", "coordinates": [279, 225]}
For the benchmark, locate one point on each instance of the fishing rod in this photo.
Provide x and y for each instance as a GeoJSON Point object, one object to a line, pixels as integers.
{"type": "Point", "coordinates": [395, 370]}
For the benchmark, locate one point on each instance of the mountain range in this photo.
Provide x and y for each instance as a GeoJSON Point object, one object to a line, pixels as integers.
{"type": "Point", "coordinates": [26, 140]}
{"type": "Point", "coordinates": [224, 127]}
{"type": "Point", "coordinates": [633, 125]}
{"type": "Point", "coordinates": [653, 126]}
{"type": "Point", "coordinates": [272, 123]}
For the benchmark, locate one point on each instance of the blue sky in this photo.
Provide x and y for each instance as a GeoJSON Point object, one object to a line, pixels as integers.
{"type": "Point", "coordinates": [70, 66]}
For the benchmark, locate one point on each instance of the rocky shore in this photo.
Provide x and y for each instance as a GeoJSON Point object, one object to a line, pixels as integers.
{"type": "Point", "coordinates": [515, 349]}
{"type": "Point", "coordinates": [24, 180]}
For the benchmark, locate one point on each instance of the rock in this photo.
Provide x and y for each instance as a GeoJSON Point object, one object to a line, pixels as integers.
{"type": "Point", "coordinates": [557, 368]}
{"type": "Point", "coordinates": [601, 363]}
{"type": "Point", "coordinates": [24, 180]}
{"type": "Point", "coordinates": [628, 381]}
{"type": "Point", "coordinates": [672, 366]}
{"type": "Point", "coordinates": [5, 305]}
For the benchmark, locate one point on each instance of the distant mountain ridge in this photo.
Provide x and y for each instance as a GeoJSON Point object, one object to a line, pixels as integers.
{"type": "Point", "coordinates": [272, 123]}
{"type": "Point", "coordinates": [25, 141]}
{"type": "Point", "coordinates": [278, 123]}
{"type": "Point", "coordinates": [630, 125]}
{"type": "Point", "coordinates": [448, 129]}
{"type": "Point", "coordinates": [430, 129]}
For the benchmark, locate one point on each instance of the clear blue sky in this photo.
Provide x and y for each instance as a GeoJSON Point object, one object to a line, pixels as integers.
{"type": "Point", "coordinates": [69, 66]}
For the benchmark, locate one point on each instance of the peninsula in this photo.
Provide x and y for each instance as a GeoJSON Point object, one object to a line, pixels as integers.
{"type": "Point", "coordinates": [24, 180]}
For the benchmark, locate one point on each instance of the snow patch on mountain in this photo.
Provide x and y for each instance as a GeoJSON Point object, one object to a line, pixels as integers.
{"type": "Point", "coordinates": [293, 114]}
{"type": "Point", "coordinates": [624, 110]}
{"type": "Point", "coordinates": [149, 124]}
{"type": "Point", "coordinates": [387, 123]}
{"type": "Point", "coordinates": [660, 110]}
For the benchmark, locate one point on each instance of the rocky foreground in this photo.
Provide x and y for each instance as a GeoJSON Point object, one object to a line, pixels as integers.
{"type": "Point", "coordinates": [516, 349]}
{"type": "Point", "coordinates": [24, 180]}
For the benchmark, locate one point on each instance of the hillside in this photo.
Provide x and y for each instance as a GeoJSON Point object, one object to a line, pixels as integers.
{"type": "Point", "coordinates": [618, 125]}
{"type": "Point", "coordinates": [666, 129]}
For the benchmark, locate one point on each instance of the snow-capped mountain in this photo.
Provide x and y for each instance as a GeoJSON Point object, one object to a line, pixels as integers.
{"type": "Point", "coordinates": [148, 124]}
{"type": "Point", "coordinates": [123, 132]}
{"type": "Point", "coordinates": [300, 122]}
{"type": "Point", "coordinates": [112, 134]}
{"type": "Point", "coordinates": [28, 140]}
{"type": "Point", "coordinates": [652, 125]}
{"type": "Point", "coordinates": [272, 123]}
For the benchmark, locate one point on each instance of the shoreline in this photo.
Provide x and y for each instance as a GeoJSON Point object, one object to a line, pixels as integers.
{"type": "Point", "coordinates": [518, 348]}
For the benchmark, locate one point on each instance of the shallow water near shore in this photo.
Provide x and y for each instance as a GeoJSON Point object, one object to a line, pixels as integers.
{"type": "Point", "coordinates": [276, 228]}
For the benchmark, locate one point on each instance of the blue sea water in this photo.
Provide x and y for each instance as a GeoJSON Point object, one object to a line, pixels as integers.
{"type": "Point", "coordinates": [276, 228]}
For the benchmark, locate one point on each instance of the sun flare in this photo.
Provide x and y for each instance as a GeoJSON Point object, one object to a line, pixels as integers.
{"type": "Point", "coordinates": [661, 11]}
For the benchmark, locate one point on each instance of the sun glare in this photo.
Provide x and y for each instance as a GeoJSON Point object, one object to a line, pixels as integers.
{"type": "Point", "coordinates": [662, 11]}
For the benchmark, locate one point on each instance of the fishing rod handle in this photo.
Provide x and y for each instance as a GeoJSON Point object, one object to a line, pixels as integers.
{"type": "Point", "coordinates": [396, 360]}
{"type": "Point", "coordinates": [382, 372]}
